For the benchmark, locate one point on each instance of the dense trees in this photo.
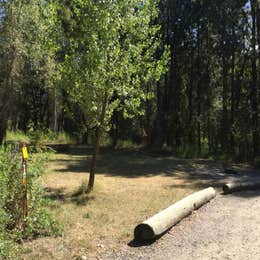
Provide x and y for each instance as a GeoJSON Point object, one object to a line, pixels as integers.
{"type": "Point", "coordinates": [210, 95]}
{"type": "Point", "coordinates": [27, 64]}
{"type": "Point", "coordinates": [182, 75]}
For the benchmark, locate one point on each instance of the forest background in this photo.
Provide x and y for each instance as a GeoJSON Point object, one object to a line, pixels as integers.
{"type": "Point", "coordinates": [165, 77]}
{"type": "Point", "coordinates": [180, 76]}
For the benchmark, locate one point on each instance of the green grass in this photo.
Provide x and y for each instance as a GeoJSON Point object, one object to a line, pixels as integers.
{"type": "Point", "coordinates": [17, 137]}
{"type": "Point", "coordinates": [39, 137]}
{"type": "Point", "coordinates": [129, 188]}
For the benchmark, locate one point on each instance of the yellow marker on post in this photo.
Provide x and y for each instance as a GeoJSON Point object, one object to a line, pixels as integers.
{"type": "Point", "coordinates": [24, 152]}
{"type": "Point", "coordinates": [24, 181]}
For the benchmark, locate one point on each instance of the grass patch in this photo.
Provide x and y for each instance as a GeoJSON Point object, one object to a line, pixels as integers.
{"type": "Point", "coordinates": [129, 188]}
{"type": "Point", "coordinates": [17, 137]}
{"type": "Point", "coordinates": [39, 138]}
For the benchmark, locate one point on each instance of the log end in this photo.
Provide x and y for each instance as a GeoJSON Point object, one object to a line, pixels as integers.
{"type": "Point", "coordinates": [240, 186]}
{"type": "Point", "coordinates": [226, 189]}
{"type": "Point", "coordinates": [143, 232]}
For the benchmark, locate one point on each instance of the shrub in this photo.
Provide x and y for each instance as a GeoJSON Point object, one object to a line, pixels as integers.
{"type": "Point", "coordinates": [39, 222]}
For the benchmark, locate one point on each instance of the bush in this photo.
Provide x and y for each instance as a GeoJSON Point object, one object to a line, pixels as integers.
{"type": "Point", "coordinates": [39, 222]}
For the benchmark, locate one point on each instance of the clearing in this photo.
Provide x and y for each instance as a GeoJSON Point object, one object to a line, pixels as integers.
{"type": "Point", "coordinates": [130, 187]}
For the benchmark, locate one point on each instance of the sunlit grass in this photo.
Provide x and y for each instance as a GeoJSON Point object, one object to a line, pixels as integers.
{"type": "Point", "coordinates": [39, 137]}
{"type": "Point", "coordinates": [129, 188]}
{"type": "Point", "coordinates": [17, 137]}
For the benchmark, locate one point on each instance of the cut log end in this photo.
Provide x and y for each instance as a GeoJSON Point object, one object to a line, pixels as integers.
{"type": "Point", "coordinates": [226, 189]}
{"type": "Point", "coordinates": [143, 232]}
{"type": "Point", "coordinates": [240, 186]}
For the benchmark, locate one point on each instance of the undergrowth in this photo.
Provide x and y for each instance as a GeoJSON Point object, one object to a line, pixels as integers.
{"type": "Point", "coordinates": [13, 228]}
{"type": "Point", "coordinates": [39, 138]}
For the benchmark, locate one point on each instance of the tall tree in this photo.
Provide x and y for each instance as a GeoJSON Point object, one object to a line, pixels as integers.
{"type": "Point", "coordinates": [255, 76]}
{"type": "Point", "coordinates": [112, 59]}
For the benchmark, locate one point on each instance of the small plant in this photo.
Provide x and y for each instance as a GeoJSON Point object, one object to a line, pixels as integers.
{"type": "Point", "coordinates": [80, 190]}
{"type": "Point", "coordinates": [86, 215]}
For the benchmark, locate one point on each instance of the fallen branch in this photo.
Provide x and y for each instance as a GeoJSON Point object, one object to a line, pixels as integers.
{"type": "Point", "coordinates": [170, 216]}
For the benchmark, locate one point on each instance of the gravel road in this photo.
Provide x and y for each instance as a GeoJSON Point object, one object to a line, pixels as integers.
{"type": "Point", "coordinates": [226, 228]}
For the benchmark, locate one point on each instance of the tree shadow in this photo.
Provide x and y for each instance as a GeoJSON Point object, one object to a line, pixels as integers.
{"type": "Point", "coordinates": [139, 243]}
{"type": "Point", "coordinates": [60, 194]}
{"type": "Point", "coordinates": [135, 164]}
{"type": "Point", "coordinates": [127, 163]}
{"type": "Point", "coordinates": [246, 193]}
{"type": "Point", "coordinates": [55, 194]}
{"type": "Point", "coordinates": [145, 243]}
{"type": "Point", "coordinates": [196, 185]}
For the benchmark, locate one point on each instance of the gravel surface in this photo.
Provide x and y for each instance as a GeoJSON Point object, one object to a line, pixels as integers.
{"type": "Point", "coordinates": [226, 228]}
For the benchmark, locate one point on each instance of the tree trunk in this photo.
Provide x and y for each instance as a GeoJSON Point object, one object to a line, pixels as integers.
{"type": "Point", "coordinates": [159, 117]}
{"type": "Point", "coordinates": [190, 107]}
{"type": "Point", "coordinates": [98, 133]}
{"type": "Point", "coordinates": [7, 93]}
{"type": "Point", "coordinates": [233, 87]}
{"type": "Point", "coordinates": [54, 115]}
{"type": "Point", "coordinates": [224, 125]}
{"type": "Point", "coordinates": [148, 124]}
{"type": "Point", "coordinates": [254, 82]}
{"type": "Point", "coordinates": [199, 91]}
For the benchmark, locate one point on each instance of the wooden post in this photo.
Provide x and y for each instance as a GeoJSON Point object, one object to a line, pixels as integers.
{"type": "Point", "coordinates": [24, 181]}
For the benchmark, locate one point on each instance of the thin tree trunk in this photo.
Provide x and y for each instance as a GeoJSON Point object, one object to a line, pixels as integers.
{"type": "Point", "coordinates": [159, 119]}
{"type": "Point", "coordinates": [224, 134]}
{"type": "Point", "coordinates": [199, 91]}
{"type": "Point", "coordinates": [256, 118]}
{"type": "Point", "coordinates": [7, 94]}
{"type": "Point", "coordinates": [190, 107]}
{"type": "Point", "coordinates": [98, 133]}
{"type": "Point", "coordinates": [148, 119]}
{"type": "Point", "coordinates": [254, 83]}
{"type": "Point", "coordinates": [233, 87]}
{"type": "Point", "coordinates": [55, 112]}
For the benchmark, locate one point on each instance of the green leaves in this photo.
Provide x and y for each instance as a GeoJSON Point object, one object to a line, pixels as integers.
{"type": "Point", "coordinates": [114, 55]}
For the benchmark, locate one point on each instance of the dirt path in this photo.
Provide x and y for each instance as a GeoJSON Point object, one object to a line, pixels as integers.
{"type": "Point", "coordinates": [226, 228]}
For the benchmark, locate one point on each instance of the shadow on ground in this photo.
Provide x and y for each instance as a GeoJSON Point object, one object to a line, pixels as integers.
{"type": "Point", "coordinates": [137, 243]}
{"type": "Point", "coordinates": [246, 194]}
{"type": "Point", "coordinates": [60, 194]}
{"type": "Point", "coordinates": [198, 173]}
{"type": "Point", "coordinates": [132, 164]}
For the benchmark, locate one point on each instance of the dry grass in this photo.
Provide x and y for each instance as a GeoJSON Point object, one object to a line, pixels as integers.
{"type": "Point", "coordinates": [129, 188]}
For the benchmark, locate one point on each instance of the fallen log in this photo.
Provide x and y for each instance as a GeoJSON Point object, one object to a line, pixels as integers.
{"type": "Point", "coordinates": [170, 216]}
{"type": "Point", "coordinates": [240, 186]}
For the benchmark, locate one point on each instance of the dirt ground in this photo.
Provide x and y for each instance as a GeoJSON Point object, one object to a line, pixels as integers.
{"type": "Point", "coordinates": [131, 187]}
{"type": "Point", "coordinates": [226, 228]}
